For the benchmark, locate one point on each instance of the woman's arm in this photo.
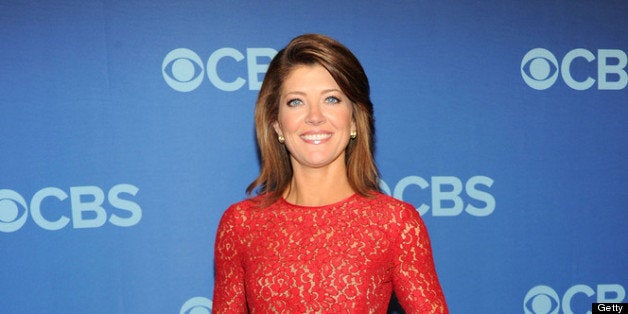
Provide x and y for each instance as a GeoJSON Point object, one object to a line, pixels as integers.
{"type": "Point", "coordinates": [414, 277]}
{"type": "Point", "coordinates": [229, 295]}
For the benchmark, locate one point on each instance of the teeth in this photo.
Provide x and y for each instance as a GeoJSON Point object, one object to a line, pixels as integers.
{"type": "Point", "coordinates": [315, 137]}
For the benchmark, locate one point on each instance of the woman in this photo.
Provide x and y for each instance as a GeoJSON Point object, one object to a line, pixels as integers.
{"type": "Point", "coordinates": [319, 236]}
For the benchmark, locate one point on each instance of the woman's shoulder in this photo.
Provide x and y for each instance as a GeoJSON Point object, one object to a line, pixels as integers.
{"type": "Point", "coordinates": [395, 210]}
{"type": "Point", "coordinates": [244, 204]}
{"type": "Point", "coordinates": [386, 202]}
{"type": "Point", "coordinates": [242, 208]}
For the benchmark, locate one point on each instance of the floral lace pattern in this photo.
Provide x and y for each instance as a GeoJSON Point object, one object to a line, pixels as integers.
{"type": "Point", "coordinates": [346, 257]}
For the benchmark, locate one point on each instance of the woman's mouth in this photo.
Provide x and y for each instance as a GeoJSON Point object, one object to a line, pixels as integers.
{"type": "Point", "coordinates": [316, 138]}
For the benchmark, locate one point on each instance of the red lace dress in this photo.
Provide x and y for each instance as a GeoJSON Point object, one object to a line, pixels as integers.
{"type": "Point", "coordinates": [346, 257]}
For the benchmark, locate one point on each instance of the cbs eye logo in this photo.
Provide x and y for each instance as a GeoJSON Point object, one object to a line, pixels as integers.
{"type": "Point", "coordinates": [10, 217]}
{"type": "Point", "coordinates": [182, 70]}
{"type": "Point", "coordinates": [197, 305]}
{"type": "Point", "coordinates": [539, 68]}
{"type": "Point", "coordinates": [541, 299]}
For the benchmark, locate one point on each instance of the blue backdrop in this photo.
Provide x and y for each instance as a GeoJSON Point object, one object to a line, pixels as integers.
{"type": "Point", "coordinates": [126, 129]}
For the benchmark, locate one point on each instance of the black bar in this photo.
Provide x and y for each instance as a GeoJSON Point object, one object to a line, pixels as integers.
{"type": "Point", "coordinates": [609, 308]}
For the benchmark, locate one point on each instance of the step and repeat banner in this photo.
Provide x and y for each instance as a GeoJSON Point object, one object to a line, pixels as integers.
{"type": "Point", "coordinates": [126, 129]}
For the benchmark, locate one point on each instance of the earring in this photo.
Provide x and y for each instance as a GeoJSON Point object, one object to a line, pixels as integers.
{"type": "Point", "coordinates": [281, 139]}
{"type": "Point", "coordinates": [354, 134]}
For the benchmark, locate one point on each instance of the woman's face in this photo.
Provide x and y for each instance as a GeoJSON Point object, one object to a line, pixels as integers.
{"type": "Point", "coordinates": [315, 117]}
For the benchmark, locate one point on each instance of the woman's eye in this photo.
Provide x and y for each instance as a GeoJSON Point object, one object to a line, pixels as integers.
{"type": "Point", "coordinates": [332, 100]}
{"type": "Point", "coordinates": [294, 102]}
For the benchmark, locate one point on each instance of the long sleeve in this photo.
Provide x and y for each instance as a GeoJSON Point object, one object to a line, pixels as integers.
{"type": "Point", "coordinates": [229, 292]}
{"type": "Point", "coordinates": [414, 276]}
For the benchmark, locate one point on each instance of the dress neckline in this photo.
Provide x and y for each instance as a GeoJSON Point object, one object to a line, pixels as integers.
{"type": "Point", "coordinates": [334, 204]}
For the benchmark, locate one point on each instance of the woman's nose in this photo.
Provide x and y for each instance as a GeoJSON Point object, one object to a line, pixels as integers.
{"type": "Point", "coordinates": [315, 116]}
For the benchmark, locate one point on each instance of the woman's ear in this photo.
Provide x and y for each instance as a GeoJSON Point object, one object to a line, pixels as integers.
{"type": "Point", "coordinates": [277, 128]}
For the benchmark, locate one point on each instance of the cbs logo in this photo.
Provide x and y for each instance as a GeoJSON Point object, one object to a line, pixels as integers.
{"type": "Point", "coordinates": [184, 71]}
{"type": "Point", "coordinates": [545, 300]}
{"type": "Point", "coordinates": [540, 69]}
{"type": "Point", "coordinates": [446, 195]}
{"type": "Point", "coordinates": [197, 305]}
{"type": "Point", "coordinates": [48, 209]}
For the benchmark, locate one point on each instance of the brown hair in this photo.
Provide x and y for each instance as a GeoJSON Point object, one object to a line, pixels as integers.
{"type": "Point", "coordinates": [344, 67]}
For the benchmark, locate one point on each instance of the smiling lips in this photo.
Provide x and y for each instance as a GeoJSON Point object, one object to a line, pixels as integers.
{"type": "Point", "coordinates": [315, 138]}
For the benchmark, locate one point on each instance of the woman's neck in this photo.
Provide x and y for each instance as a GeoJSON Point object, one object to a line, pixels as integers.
{"type": "Point", "coordinates": [317, 187]}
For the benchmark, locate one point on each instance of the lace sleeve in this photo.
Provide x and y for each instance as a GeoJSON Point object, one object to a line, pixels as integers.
{"type": "Point", "coordinates": [229, 293]}
{"type": "Point", "coordinates": [414, 276]}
